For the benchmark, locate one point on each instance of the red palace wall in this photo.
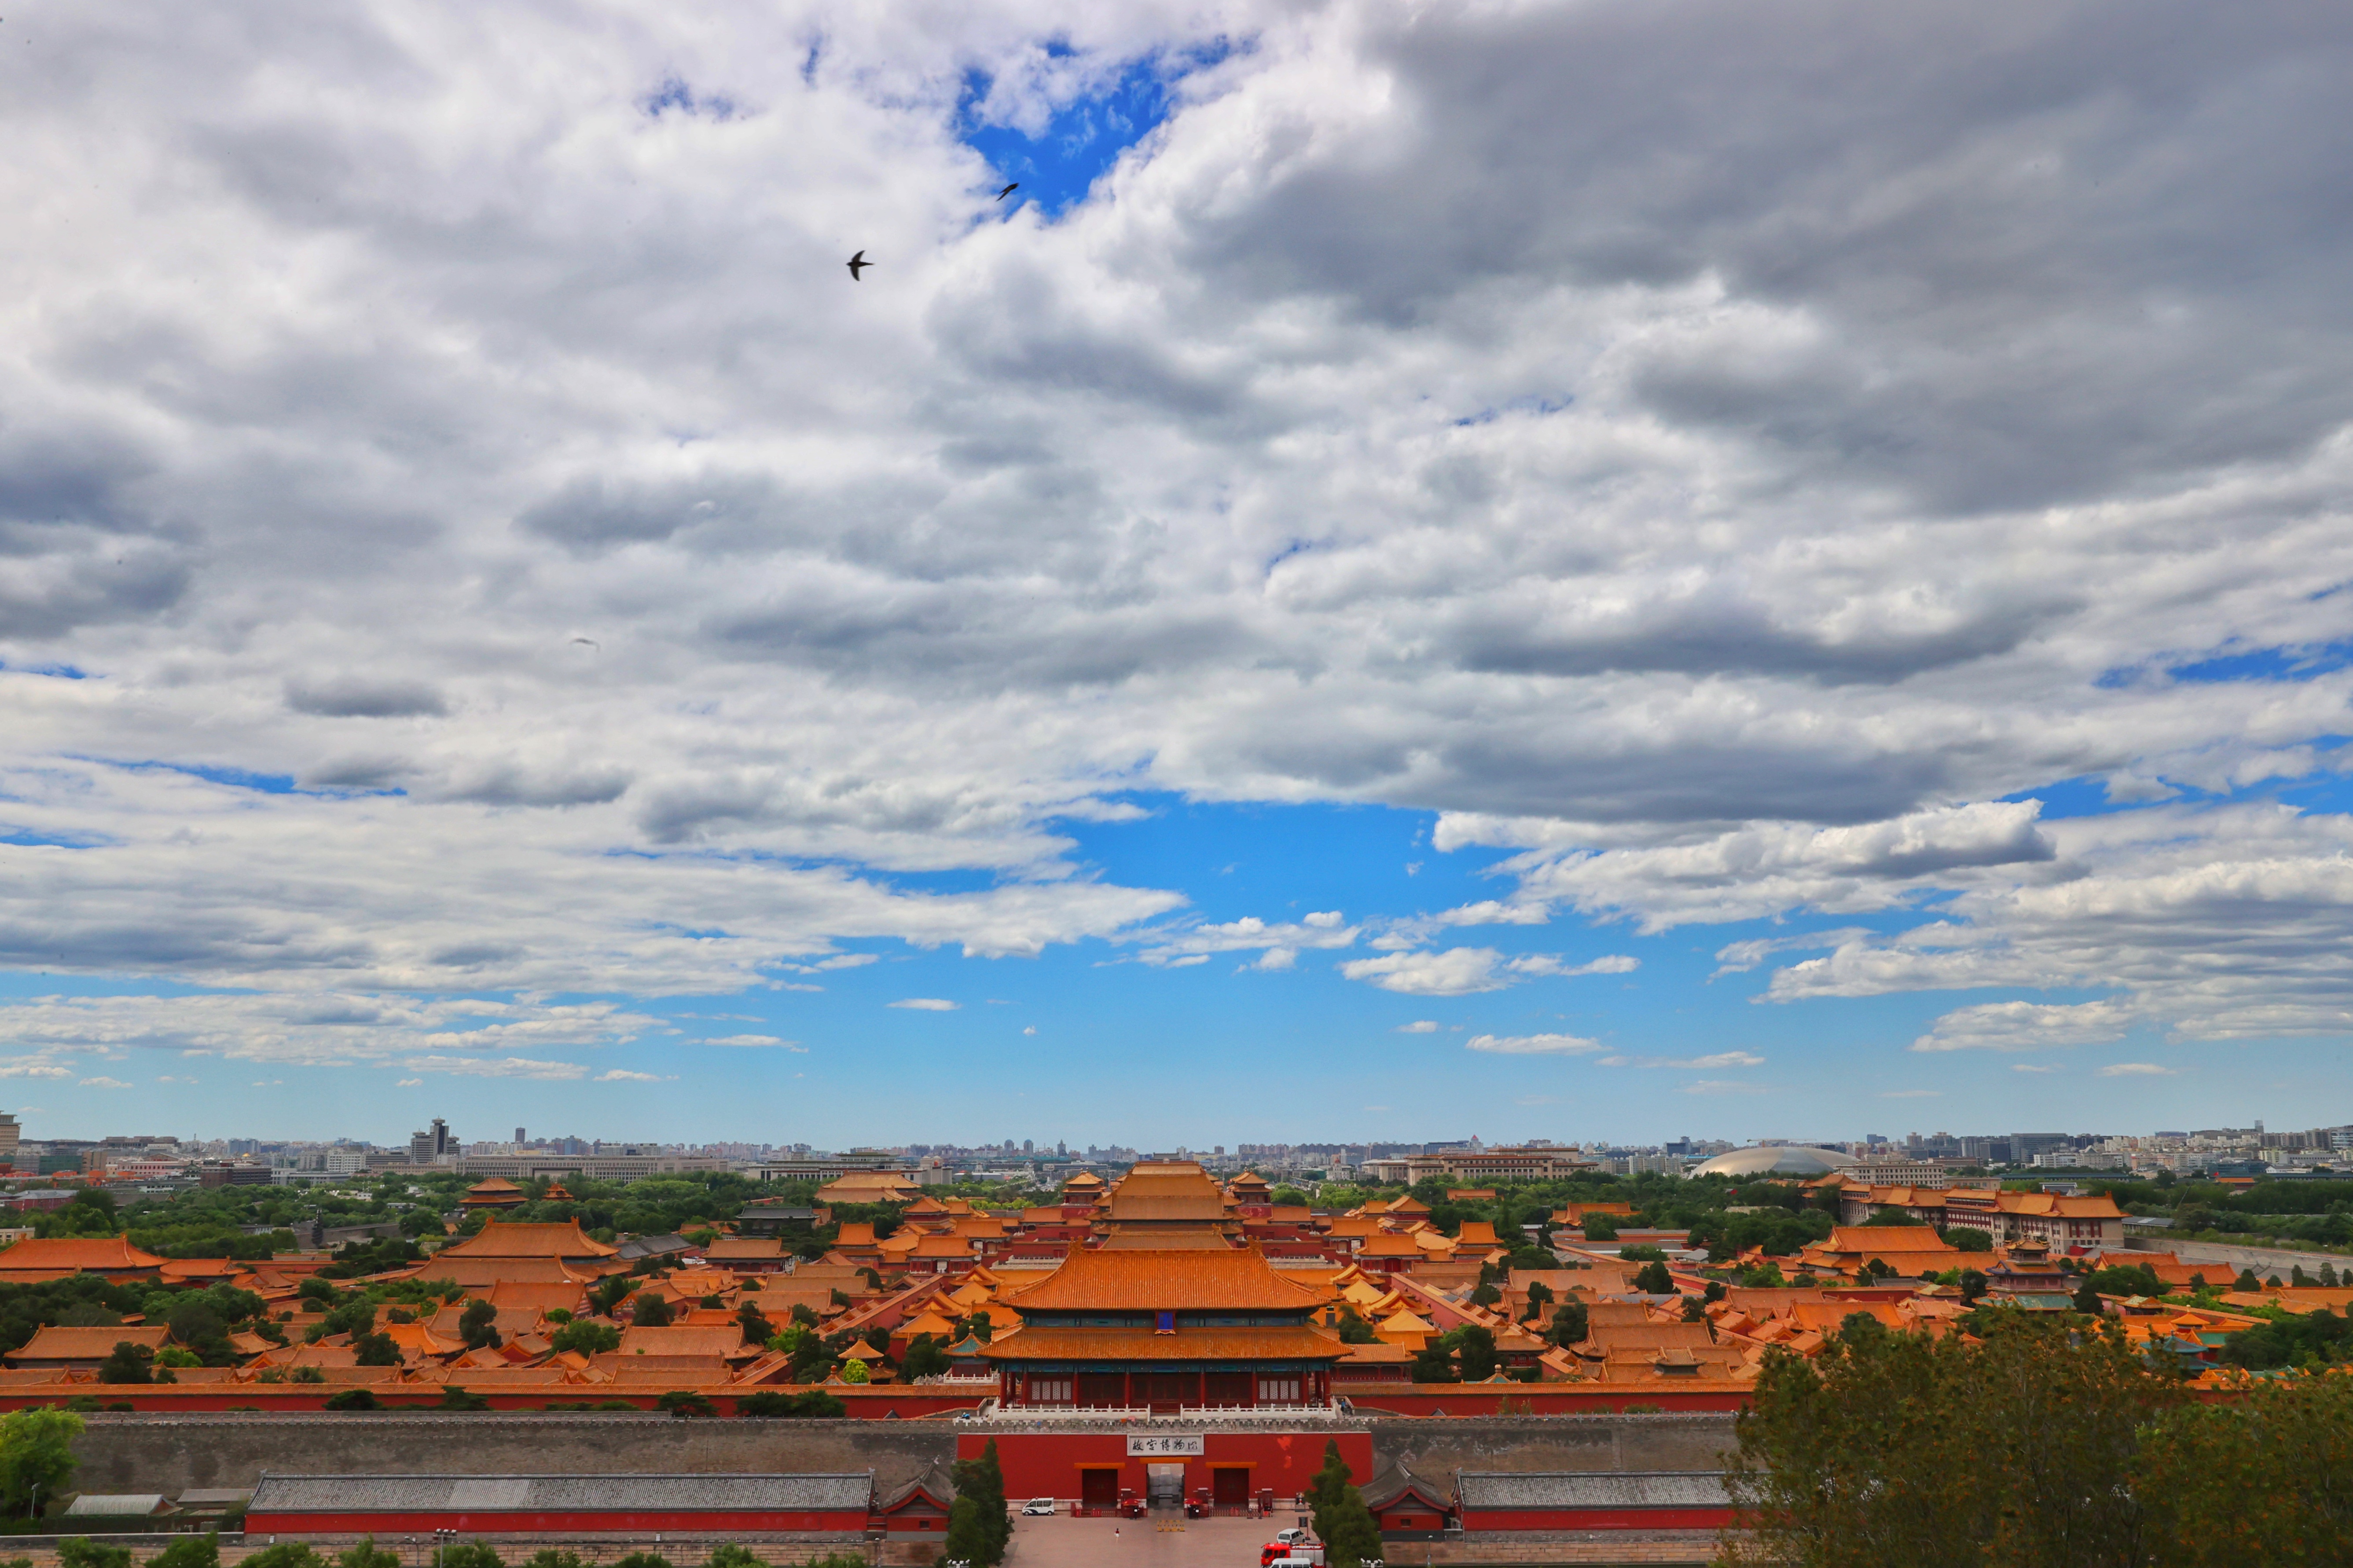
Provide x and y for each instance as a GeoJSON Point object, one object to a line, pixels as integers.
{"type": "Point", "coordinates": [1049, 1464]}
{"type": "Point", "coordinates": [851, 1521]}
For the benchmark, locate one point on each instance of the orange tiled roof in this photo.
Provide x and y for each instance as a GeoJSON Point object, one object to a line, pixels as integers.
{"type": "Point", "coordinates": [1163, 1281]}
{"type": "Point", "coordinates": [76, 1255]}
{"type": "Point", "coordinates": [502, 1238]}
{"type": "Point", "coordinates": [1141, 1344]}
{"type": "Point", "coordinates": [55, 1345]}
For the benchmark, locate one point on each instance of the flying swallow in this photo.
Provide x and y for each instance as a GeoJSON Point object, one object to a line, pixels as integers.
{"type": "Point", "coordinates": [856, 262]}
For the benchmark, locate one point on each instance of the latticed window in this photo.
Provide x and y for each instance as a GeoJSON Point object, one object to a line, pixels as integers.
{"type": "Point", "coordinates": [1277, 1388]}
{"type": "Point", "coordinates": [1050, 1390]}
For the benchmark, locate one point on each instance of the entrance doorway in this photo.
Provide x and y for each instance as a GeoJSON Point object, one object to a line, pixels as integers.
{"type": "Point", "coordinates": [1230, 1487]}
{"type": "Point", "coordinates": [1164, 1484]}
{"type": "Point", "coordinates": [1099, 1488]}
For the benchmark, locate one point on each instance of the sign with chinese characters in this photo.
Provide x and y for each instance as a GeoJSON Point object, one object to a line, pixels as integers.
{"type": "Point", "coordinates": [1154, 1445]}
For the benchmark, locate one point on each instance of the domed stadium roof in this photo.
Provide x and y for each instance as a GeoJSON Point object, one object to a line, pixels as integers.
{"type": "Point", "coordinates": [1777, 1159]}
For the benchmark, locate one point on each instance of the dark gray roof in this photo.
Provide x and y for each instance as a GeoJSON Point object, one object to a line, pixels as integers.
{"type": "Point", "coordinates": [572, 1494]}
{"type": "Point", "coordinates": [640, 1247]}
{"type": "Point", "coordinates": [1479, 1490]}
{"type": "Point", "coordinates": [202, 1497]}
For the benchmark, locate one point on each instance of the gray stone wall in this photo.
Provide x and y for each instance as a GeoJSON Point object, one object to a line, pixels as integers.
{"type": "Point", "coordinates": [170, 1452]}
{"type": "Point", "coordinates": [1434, 1450]}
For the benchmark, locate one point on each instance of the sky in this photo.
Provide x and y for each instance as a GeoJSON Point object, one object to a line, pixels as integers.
{"type": "Point", "coordinates": [1580, 571]}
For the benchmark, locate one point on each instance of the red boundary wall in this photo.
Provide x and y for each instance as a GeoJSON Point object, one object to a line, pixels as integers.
{"type": "Point", "coordinates": [846, 1521]}
{"type": "Point", "coordinates": [873, 1403]}
{"type": "Point", "coordinates": [1049, 1464]}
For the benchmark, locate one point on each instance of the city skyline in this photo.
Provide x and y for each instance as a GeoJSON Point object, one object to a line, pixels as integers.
{"type": "Point", "coordinates": [1581, 571]}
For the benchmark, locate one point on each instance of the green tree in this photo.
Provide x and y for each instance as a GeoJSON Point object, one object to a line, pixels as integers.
{"type": "Point", "coordinates": [1568, 1324]}
{"type": "Point", "coordinates": [1539, 1297]}
{"type": "Point", "coordinates": [127, 1363]}
{"type": "Point", "coordinates": [637, 1559]}
{"type": "Point", "coordinates": [1653, 1279]}
{"type": "Point", "coordinates": [728, 1554]}
{"type": "Point", "coordinates": [685, 1402]}
{"type": "Point", "coordinates": [190, 1551]}
{"type": "Point", "coordinates": [1600, 1228]}
{"type": "Point", "coordinates": [36, 1458]}
{"type": "Point", "coordinates": [353, 1399]}
{"type": "Point", "coordinates": [1486, 1296]}
{"type": "Point", "coordinates": [1968, 1238]}
{"type": "Point", "coordinates": [82, 1551]}
{"type": "Point", "coordinates": [923, 1359]}
{"type": "Point", "coordinates": [648, 1311]}
{"type": "Point", "coordinates": [967, 1539]}
{"type": "Point", "coordinates": [554, 1557]}
{"type": "Point", "coordinates": [363, 1554]}
{"type": "Point", "coordinates": [1355, 1330]}
{"type": "Point", "coordinates": [754, 1323]}
{"type": "Point", "coordinates": [478, 1326]}
{"type": "Point", "coordinates": [1350, 1534]}
{"type": "Point", "coordinates": [1897, 1449]}
{"type": "Point", "coordinates": [587, 1336]}
{"type": "Point", "coordinates": [377, 1349]}
{"type": "Point", "coordinates": [981, 1482]}
{"type": "Point", "coordinates": [456, 1398]}
{"type": "Point", "coordinates": [2267, 1478]}
{"type": "Point", "coordinates": [470, 1554]}
{"type": "Point", "coordinates": [855, 1371]}
{"type": "Point", "coordinates": [285, 1554]}
{"type": "Point", "coordinates": [1474, 1351]}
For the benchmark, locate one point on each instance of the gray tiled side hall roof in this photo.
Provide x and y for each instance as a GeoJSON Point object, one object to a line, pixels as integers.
{"type": "Point", "coordinates": [571, 1494]}
{"type": "Point", "coordinates": [1486, 1489]}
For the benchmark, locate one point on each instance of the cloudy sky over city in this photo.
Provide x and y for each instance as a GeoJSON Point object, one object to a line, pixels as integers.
{"type": "Point", "coordinates": [1588, 570]}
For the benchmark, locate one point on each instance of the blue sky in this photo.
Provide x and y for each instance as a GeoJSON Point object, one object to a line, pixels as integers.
{"type": "Point", "coordinates": [1733, 639]}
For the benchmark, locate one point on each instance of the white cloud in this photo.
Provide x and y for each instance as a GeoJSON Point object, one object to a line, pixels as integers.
{"type": "Point", "coordinates": [622, 1075]}
{"type": "Point", "coordinates": [1278, 943]}
{"type": "Point", "coordinates": [2026, 1026]}
{"type": "Point", "coordinates": [1913, 1094]}
{"type": "Point", "coordinates": [103, 1083]}
{"type": "Point", "coordinates": [1723, 1085]}
{"type": "Point", "coordinates": [1532, 1045]}
{"type": "Point", "coordinates": [1718, 1059]}
{"type": "Point", "coordinates": [2032, 1067]}
{"type": "Point", "coordinates": [168, 1078]}
{"type": "Point", "coordinates": [1418, 1026]}
{"type": "Point", "coordinates": [925, 1004]}
{"type": "Point", "coordinates": [755, 1042]}
{"type": "Point", "coordinates": [2135, 1070]}
{"type": "Point", "coordinates": [1243, 480]}
{"type": "Point", "coordinates": [1029, 1029]}
{"type": "Point", "coordinates": [408, 1083]}
{"type": "Point", "coordinates": [497, 1066]}
{"type": "Point", "coordinates": [1463, 971]}
{"type": "Point", "coordinates": [34, 1069]}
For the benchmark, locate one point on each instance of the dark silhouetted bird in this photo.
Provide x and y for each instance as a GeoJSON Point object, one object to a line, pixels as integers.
{"type": "Point", "coordinates": [856, 262]}
{"type": "Point", "coordinates": [1009, 190]}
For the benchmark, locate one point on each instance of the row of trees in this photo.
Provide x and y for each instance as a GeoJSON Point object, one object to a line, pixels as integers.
{"type": "Point", "coordinates": [2044, 1446]}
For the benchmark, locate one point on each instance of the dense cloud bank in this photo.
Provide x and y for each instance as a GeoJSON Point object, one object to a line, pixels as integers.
{"type": "Point", "coordinates": [1712, 452]}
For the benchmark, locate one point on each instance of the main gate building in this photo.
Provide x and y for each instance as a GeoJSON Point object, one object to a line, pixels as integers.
{"type": "Point", "coordinates": [1165, 1330]}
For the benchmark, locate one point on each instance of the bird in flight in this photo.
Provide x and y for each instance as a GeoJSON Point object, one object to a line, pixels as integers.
{"type": "Point", "coordinates": [592, 642]}
{"type": "Point", "coordinates": [1009, 190]}
{"type": "Point", "coordinates": [856, 262]}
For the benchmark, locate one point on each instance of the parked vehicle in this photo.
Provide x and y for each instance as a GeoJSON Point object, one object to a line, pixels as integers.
{"type": "Point", "coordinates": [1039, 1505]}
{"type": "Point", "coordinates": [1295, 1537]}
{"type": "Point", "coordinates": [1303, 1555]}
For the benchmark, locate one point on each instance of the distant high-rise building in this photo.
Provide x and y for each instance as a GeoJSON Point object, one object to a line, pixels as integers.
{"type": "Point", "coordinates": [426, 1147]}
{"type": "Point", "coordinates": [519, 1136]}
{"type": "Point", "coordinates": [9, 1135]}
